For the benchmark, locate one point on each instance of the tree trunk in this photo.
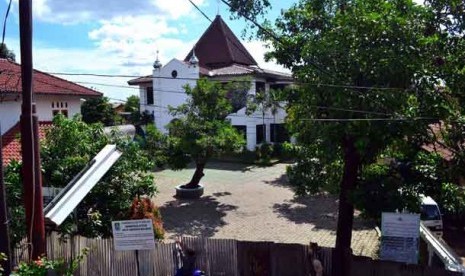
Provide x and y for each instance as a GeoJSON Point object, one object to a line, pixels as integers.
{"type": "Point", "coordinates": [198, 174]}
{"type": "Point", "coordinates": [343, 252]}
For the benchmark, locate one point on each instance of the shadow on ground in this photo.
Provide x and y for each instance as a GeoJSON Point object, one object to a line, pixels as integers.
{"type": "Point", "coordinates": [201, 217]}
{"type": "Point", "coordinates": [320, 211]}
{"type": "Point", "coordinates": [281, 181]}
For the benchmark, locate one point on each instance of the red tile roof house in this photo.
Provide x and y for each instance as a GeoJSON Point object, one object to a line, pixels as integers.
{"type": "Point", "coordinates": [52, 95]}
{"type": "Point", "coordinates": [218, 55]}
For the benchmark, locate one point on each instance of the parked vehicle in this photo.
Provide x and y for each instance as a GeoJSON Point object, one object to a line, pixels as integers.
{"type": "Point", "coordinates": [431, 215]}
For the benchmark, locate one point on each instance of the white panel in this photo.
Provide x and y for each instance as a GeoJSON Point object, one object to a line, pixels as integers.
{"type": "Point", "coordinates": [70, 197]}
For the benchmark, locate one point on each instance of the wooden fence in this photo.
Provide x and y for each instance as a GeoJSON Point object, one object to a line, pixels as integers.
{"type": "Point", "coordinates": [217, 257]}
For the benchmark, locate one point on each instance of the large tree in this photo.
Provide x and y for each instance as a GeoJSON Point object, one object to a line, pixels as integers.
{"type": "Point", "coordinates": [200, 129]}
{"type": "Point", "coordinates": [98, 110]}
{"type": "Point", "coordinates": [373, 73]}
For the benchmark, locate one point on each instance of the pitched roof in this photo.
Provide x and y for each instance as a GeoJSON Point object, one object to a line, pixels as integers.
{"type": "Point", "coordinates": [219, 47]}
{"type": "Point", "coordinates": [438, 146]}
{"type": "Point", "coordinates": [11, 144]}
{"type": "Point", "coordinates": [10, 82]}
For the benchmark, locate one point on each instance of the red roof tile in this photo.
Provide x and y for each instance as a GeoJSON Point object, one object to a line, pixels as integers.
{"type": "Point", "coordinates": [10, 82]}
{"type": "Point", "coordinates": [11, 144]}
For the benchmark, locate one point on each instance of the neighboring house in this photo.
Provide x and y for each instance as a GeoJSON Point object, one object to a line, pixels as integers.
{"type": "Point", "coordinates": [219, 56]}
{"type": "Point", "coordinates": [52, 96]}
{"type": "Point", "coordinates": [437, 132]}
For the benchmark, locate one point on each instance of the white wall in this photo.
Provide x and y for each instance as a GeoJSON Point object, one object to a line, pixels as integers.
{"type": "Point", "coordinates": [169, 91]}
{"type": "Point", "coordinates": [9, 114]}
{"type": "Point", "coordinates": [11, 110]}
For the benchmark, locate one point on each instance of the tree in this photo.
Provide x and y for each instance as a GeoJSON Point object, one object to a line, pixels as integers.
{"type": "Point", "coordinates": [200, 129]}
{"type": "Point", "coordinates": [370, 74]}
{"type": "Point", "coordinates": [132, 104]}
{"type": "Point", "coordinates": [69, 146]}
{"type": "Point", "coordinates": [98, 110]}
{"type": "Point", "coordinates": [6, 53]}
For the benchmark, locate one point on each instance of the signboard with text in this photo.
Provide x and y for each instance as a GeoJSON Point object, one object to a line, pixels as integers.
{"type": "Point", "coordinates": [133, 234]}
{"type": "Point", "coordinates": [400, 237]}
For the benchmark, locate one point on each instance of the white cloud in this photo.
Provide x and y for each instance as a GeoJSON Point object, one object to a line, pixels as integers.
{"type": "Point", "coordinates": [258, 49]}
{"type": "Point", "coordinates": [82, 11]}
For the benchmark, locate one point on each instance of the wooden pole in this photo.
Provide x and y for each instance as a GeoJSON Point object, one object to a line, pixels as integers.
{"type": "Point", "coordinates": [32, 182]}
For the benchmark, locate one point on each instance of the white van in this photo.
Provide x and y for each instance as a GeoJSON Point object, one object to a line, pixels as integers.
{"type": "Point", "coordinates": [430, 215]}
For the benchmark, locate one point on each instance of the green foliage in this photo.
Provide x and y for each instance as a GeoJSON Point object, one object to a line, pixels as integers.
{"type": "Point", "coordinates": [381, 189]}
{"type": "Point", "coordinates": [200, 129]}
{"type": "Point", "coordinates": [311, 174]}
{"type": "Point", "coordinates": [264, 153]}
{"type": "Point", "coordinates": [132, 104]}
{"type": "Point", "coordinates": [156, 145]}
{"type": "Point", "coordinates": [69, 145]}
{"type": "Point", "coordinates": [14, 197]}
{"type": "Point", "coordinates": [98, 110]}
{"type": "Point", "coordinates": [6, 53]}
{"type": "Point", "coordinates": [44, 266]}
{"type": "Point", "coordinates": [2, 258]}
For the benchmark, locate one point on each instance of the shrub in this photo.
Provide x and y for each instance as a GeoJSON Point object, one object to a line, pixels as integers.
{"type": "Point", "coordinates": [144, 208]}
{"type": "Point", "coordinates": [43, 266]}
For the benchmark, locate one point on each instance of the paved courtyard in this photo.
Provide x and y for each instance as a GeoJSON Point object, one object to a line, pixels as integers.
{"type": "Point", "coordinates": [254, 203]}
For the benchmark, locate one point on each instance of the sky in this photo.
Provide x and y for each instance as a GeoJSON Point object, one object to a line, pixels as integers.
{"type": "Point", "coordinates": [120, 37]}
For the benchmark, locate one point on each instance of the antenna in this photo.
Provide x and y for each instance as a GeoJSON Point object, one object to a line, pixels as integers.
{"type": "Point", "coordinates": [218, 7]}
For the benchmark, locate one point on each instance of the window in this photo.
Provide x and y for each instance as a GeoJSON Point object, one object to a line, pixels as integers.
{"type": "Point", "coordinates": [64, 112]}
{"type": "Point", "coordinates": [242, 130]}
{"type": "Point", "coordinates": [261, 133]}
{"type": "Point", "coordinates": [430, 212]}
{"type": "Point", "coordinates": [59, 108]}
{"type": "Point", "coordinates": [278, 133]}
{"type": "Point", "coordinates": [149, 92]}
{"type": "Point", "coordinates": [259, 87]}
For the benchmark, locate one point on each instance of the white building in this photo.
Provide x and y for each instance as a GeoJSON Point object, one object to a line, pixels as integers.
{"type": "Point", "coordinates": [219, 56]}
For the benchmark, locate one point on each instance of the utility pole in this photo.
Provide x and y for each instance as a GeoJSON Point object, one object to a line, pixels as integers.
{"type": "Point", "coordinates": [4, 233]}
{"type": "Point", "coordinates": [32, 179]}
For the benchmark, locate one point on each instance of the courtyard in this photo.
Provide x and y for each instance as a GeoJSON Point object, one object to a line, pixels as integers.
{"type": "Point", "coordinates": [251, 203]}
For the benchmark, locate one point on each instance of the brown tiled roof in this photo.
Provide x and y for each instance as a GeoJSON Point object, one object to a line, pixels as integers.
{"type": "Point", "coordinates": [219, 47]}
{"type": "Point", "coordinates": [10, 82]}
{"type": "Point", "coordinates": [438, 147]}
{"type": "Point", "coordinates": [144, 79]}
{"type": "Point", "coordinates": [11, 144]}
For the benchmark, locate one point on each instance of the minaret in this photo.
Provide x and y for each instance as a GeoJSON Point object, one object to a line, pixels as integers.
{"type": "Point", "coordinates": [193, 61]}
{"type": "Point", "coordinates": [157, 64]}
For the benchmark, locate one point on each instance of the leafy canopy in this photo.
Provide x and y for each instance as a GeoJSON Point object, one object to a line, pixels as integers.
{"type": "Point", "coordinates": [98, 110]}
{"type": "Point", "coordinates": [200, 128]}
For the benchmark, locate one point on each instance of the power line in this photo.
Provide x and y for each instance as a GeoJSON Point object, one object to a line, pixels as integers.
{"type": "Point", "coordinates": [195, 79]}
{"type": "Point", "coordinates": [206, 16]}
{"type": "Point", "coordinates": [182, 92]}
{"type": "Point", "coordinates": [4, 22]}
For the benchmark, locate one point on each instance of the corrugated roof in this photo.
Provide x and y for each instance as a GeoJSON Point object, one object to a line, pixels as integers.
{"type": "Point", "coordinates": [219, 47]}
{"type": "Point", "coordinates": [10, 82]}
{"type": "Point", "coordinates": [11, 144]}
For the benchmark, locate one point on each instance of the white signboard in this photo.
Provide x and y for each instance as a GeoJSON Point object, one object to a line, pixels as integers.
{"type": "Point", "coordinates": [400, 237]}
{"type": "Point", "coordinates": [133, 234]}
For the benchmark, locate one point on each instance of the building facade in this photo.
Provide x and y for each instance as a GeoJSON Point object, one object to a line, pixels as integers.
{"type": "Point", "coordinates": [219, 56]}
